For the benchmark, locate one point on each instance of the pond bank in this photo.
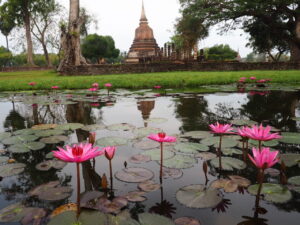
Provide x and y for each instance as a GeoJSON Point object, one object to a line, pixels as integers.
{"type": "Point", "coordinates": [18, 81]}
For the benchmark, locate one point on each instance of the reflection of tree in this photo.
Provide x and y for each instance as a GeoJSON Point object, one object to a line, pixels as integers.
{"type": "Point", "coordinates": [15, 121]}
{"type": "Point", "coordinates": [146, 106]}
{"type": "Point", "coordinates": [277, 107]}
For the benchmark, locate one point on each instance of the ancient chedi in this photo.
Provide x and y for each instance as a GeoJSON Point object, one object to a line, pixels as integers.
{"type": "Point", "coordinates": [144, 47]}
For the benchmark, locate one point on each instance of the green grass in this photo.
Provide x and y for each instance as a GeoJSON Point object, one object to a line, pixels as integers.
{"type": "Point", "coordinates": [17, 81]}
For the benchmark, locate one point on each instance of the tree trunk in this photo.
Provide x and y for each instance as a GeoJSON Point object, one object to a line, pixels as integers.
{"type": "Point", "coordinates": [71, 39]}
{"type": "Point", "coordinates": [28, 37]}
{"type": "Point", "coordinates": [7, 47]}
{"type": "Point", "coordinates": [295, 45]}
{"type": "Point", "coordinates": [46, 54]}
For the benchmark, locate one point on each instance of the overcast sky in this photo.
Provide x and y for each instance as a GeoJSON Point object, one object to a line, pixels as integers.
{"type": "Point", "coordinates": [120, 18]}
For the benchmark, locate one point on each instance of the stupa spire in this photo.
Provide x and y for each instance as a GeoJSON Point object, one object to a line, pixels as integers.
{"type": "Point", "coordinates": [143, 15]}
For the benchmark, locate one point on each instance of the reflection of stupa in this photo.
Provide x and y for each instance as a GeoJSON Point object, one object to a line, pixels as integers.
{"type": "Point", "coordinates": [144, 46]}
{"type": "Point", "coordinates": [146, 107]}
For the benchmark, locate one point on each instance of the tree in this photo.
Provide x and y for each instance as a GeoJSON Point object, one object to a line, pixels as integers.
{"type": "Point", "coordinates": [7, 24]}
{"type": "Point", "coordinates": [282, 17]}
{"type": "Point", "coordinates": [221, 52]}
{"type": "Point", "coordinates": [95, 47]}
{"type": "Point", "coordinates": [5, 56]}
{"type": "Point", "coordinates": [70, 38]}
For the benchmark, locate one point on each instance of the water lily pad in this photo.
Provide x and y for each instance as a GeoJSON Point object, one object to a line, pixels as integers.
{"type": "Point", "coordinates": [47, 165]}
{"type": "Point", "coordinates": [228, 163]}
{"type": "Point", "coordinates": [294, 180]}
{"type": "Point", "coordinates": [93, 127]}
{"type": "Point", "coordinates": [240, 122]}
{"type": "Point", "coordinates": [272, 172]}
{"type": "Point", "coordinates": [240, 181]}
{"type": "Point", "coordinates": [4, 135]}
{"type": "Point", "coordinates": [191, 148]}
{"type": "Point", "coordinates": [155, 154]}
{"type": "Point", "coordinates": [134, 174]}
{"type": "Point", "coordinates": [198, 196]}
{"type": "Point", "coordinates": [54, 139]}
{"type": "Point", "coordinates": [290, 138]}
{"type": "Point", "coordinates": [111, 206]}
{"type": "Point", "coordinates": [145, 131]}
{"type": "Point", "coordinates": [19, 139]}
{"type": "Point", "coordinates": [157, 120]}
{"type": "Point", "coordinates": [180, 162]}
{"type": "Point", "coordinates": [231, 151]}
{"type": "Point", "coordinates": [139, 159]}
{"type": "Point", "coordinates": [69, 126]}
{"type": "Point", "coordinates": [3, 159]}
{"type": "Point", "coordinates": [146, 145]}
{"type": "Point", "coordinates": [48, 133]}
{"type": "Point", "coordinates": [172, 173]}
{"type": "Point", "coordinates": [272, 192]}
{"type": "Point", "coordinates": [25, 132]}
{"type": "Point", "coordinates": [111, 141]}
{"type": "Point", "coordinates": [227, 142]}
{"type": "Point", "coordinates": [198, 134]}
{"type": "Point", "coordinates": [135, 196]}
{"type": "Point", "coordinates": [210, 141]}
{"type": "Point", "coordinates": [154, 219]}
{"type": "Point", "coordinates": [186, 221]}
{"type": "Point", "coordinates": [272, 143]}
{"type": "Point", "coordinates": [50, 155]}
{"type": "Point", "coordinates": [206, 155]}
{"type": "Point", "coordinates": [149, 186]}
{"type": "Point", "coordinates": [11, 169]}
{"type": "Point", "coordinates": [66, 218]}
{"type": "Point", "coordinates": [13, 213]}
{"type": "Point", "coordinates": [34, 216]}
{"type": "Point", "coordinates": [290, 159]}
{"type": "Point", "coordinates": [226, 184]}
{"type": "Point", "coordinates": [44, 126]}
{"type": "Point", "coordinates": [120, 126]}
{"type": "Point", "coordinates": [26, 147]}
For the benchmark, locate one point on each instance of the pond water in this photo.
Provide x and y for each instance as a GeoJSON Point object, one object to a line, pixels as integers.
{"type": "Point", "coordinates": [125, 118]}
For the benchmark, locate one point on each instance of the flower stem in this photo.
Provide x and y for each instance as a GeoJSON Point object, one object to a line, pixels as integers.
{"type": "Point", "coordinates": [220, 153]}
{"type": "Point", "coordinates": [111, 176]}
{"type": "Point", "coordinates": [259, 146]}
{"type": "Point", "coordinates": [243, 149]}
{"type": "Point", "coordinates": [78, 189]}
{"type": "Point", "coordinates": [161, 161]}
{"type": "Point", "coordinates": [260, 181]}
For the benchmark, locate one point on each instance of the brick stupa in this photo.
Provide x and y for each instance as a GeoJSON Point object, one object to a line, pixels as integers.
{"type": "Point", "coordinates": [144, 46]}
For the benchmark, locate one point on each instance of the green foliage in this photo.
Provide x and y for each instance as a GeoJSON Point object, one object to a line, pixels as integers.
{"type": "Point", "coordinates": [5, 57]}
{"type": "Point", "coordinates": [21, 60]}
{"type": "Point", "coordinates": [221, 52]}
{"type": "Point", "coordinates": [95, 47]}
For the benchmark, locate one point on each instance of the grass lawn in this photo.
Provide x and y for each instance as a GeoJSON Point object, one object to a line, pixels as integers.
{"type": "Point", "coordinates": [17, 81]}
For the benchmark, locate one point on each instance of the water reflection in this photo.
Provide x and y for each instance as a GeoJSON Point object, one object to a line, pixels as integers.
{"type": "Point", "coordinates": [146, 106]}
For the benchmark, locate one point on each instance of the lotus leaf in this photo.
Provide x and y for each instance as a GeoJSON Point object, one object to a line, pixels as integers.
{"type": "Point", "coordinates": [272, 143]}
{"type": "Point", "coordinates": [19, 139]}
{"type": "Point", "coordinates": [206, 155]}
{"type": "Point", "coordinates": [145, 131]}
{"type": "Point", "coordinates": [44, 126]}
{"type": "Point", "coordinates": [93, 127]}
{"type": "Point", "coordinates": [228, 163]}
{"type": "Point", "coordinates": [154, 219]}
{"type": "Point", "coordinates": [294, 180]}
{"type": "Point", "coordinates": [155, 154]}
{"type": "Point", "coordinates": [180, 162]}
{"type": "Point", "coordinates": [111, 206]}
{"type": "Point", "coordinates": [191, 148]}
{"type": "Point", "coordinates": [26, 147]}
{"type": "Point", "coordinates": [149, 186]}
{"type": "Point", "coordinates": [290, 138]}
{"type": "Point", "coordinates": [135, 196]}
{"type": "Point", "coordinates": [186, 221]}
{"type": "Point", "coordinates": [239, 122]}
{"type": "Point", "coordinates": [172, 173]}
{"type": "Point", "coordinates": [156, 120]}
{"type": "Point", "coordinates": [134, 174]}
{"type": "Point", "coordinates": [111, 141]}
{"type": "Point", "coordinates": [11, 169]}
{"type": "Point", "coordinates": [146, 145]}
{"type": "Point", "coordinates": [48, 133]}
{"type": "Point", "coordinates": [13, 213]}
{"type": "Point", "coordinates": [120, 126]}
{"type": "Point", "coordinates": [272, 192]}
{"type": "Point", "coordinates": [47, 165]}
{"type": "Point", "coordinates": [139, 159]}
{"type": "Point", "coordinates": [210, 141]}
{"type": "Point", "coordinates": [54, 139]}
{"type": "Point", "coordinates": [3, 159]}
{"type": "Point", "coordinates": [33, 216]}
{"type": "Point", "coordinates": [290, 159]}
{"type": "Point", "coordinates": [198, 196]}
{"type": "Point", "coordinates": [231, 151]}
{"type": "Point", "coordinates": [226, 184]}
{"type": "Point", "coordinates": [25, 132]}
{"type": "Point", "coordinates": [4, 135]}
{"type": "Point", "coordinates": [69, 126]}
{"type": "Point", "coordinates": [198, 134]}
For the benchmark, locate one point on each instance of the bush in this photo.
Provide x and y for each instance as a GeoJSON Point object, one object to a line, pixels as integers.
{"type": "Point", "coordinates": [5, 57]}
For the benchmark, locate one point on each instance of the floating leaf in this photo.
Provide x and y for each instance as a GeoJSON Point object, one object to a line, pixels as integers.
{"type": "Point", "coordinates": [120, 126]}
{"type": "Point", "coordinates": [180, 162]}
{"type": "Point", "coordinates": [227, 142]}
{"type": "Point", "coordinates": [198, 196]}
{"type": "Point", "coordinates": [19, 139]}
{"type": "Point", "coordinates": [13, 213]}
{"type": "Point", "coordinates": [155, 154]}
{"type": "Point", "coordinates": [186, 221]}
{"type": "Point", "coordinates": [228, 185]}
{"type": "Point", "coordinates": [191, 148]}
{"type": "Point", "coordinates": [294, 180]}
{"type": "Point", "coordinates": [154, 219]}
{"type": "Point", "coordinates": [272, 192]}
{"type": "Point", "coordinates": [272, 172]}
{"type": "Point", "coordinates": [93, 127]}
{"type": "Point", "coordinates": [228, 163]}
{"type": "Point", "coordinates": [47, 165]}
{"type": "Point", "coordinates": [25, 132]}
{"type": "Point", "coordinates": [135, 196]}
{"type": "Point", "coordinates": [172, 173]}
{"type": "Point", "coordinates": [239, 122]}
{"type": "Point", "coordinates": [11, 169]}
{"type": "Point", "coordinates": [3, 159]}
{"type": "Point", "coordinates": [198, 134]}
{"type": "Point", "coordinates": [54, 139]}
{"type": "Point", "coordinates": [69, 126]}
{"type": "Point", "coordinates": [139, 159]}
{"type": "Point", "coordinates": [111, 206]}
{"type": "Point", "coordinates": [145, 131]}
{"type": "Point", "coordinates": [111, 141]}
{"type": "Point", "coordinates": [272, 143]}
{"type": "Point", "coordinates": [44, 126]}
{"type": "Point", "coordinates": [206, 155]}
{"type": "Point", "coordinates": [48, 133]}
{"type": "Point", "coordinates": [66, 218]}
{"type": "Point", "coordinates": [149, 186]}
{"type": "Point", "coordinates": [146, 145]}
{"type": "Point", "coordinates": [231, 151]}
{"type": "Point", "coordinates": [290, 138]}
{"type": "Point", "coordinates": [156, 120]}
{"type": "Point", "coordinates": [240, 181]}
{"type": "Point", "coordinates": [290, 159]}
{"type": "Point", "coordinates": [210, 141]}
{"type": "Point", "coordinates": [50, 155]}
{"type": "Point", "coordinates": [26, 147]}
{"type": "Point", "coordinates": [33, 216]}
{"type": "Point", "coordinates": [89, 198]}
{"type": "Point", "coordinates": [134, 174]}
{"type": "Point", "coordinates": [4, 135]}
{"type": "Point", "coordinates": [64, 208]}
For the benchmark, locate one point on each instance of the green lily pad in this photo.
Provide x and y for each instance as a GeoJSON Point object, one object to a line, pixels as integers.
{"type": "Point", "coordinates": [120, 126]}
{"type": "Point", "coordinates": [206, 155]}
{"type": "Point", "coordinates": [191, 148]}
{"type": "Point", "coordinates": [180, 162]}
{"type": "Point", "coordinates": [93, 127]}
{"type": "Point", "coordinates": [154, 219]}
{"type": "Point", "coordinates": [13, 213]}
{"type": "Point", "coordinates": [290, 138]}
{"type": "Point", "coordinates": [146, 145]}
{"type": "Point", "coordinates": [172, 173]}
{"type": "Point", "coordinates": [134, 174]}
{"type": "Point", "coordinates": [19, 139]}
{"type": "Point", "coordinates": [228, 163]}
{"type": "Point", "coordinates": [198, 134]}
{"type": "Point", "coordinates": [47, 165]}
{"type": "Point", "coordinates": [210, 141]}
{"type": "Point", "coordinates": [139, 159]}
{"type": "Point", "coordinates": [50, 155]}
{"type": "Point", "coordinates": [198, 196]}
{"type": "Point", "coordinates": [26, 147]}
{"type": "Point", "coordinates": [111, 141]}
{"type": "Point", "coordinates": [272, 192]}
{"type": "Point", "coordinates": [48, 133]}
{"type": "Point", "coordinates": [157, 120]}
{"type": "Point", "coordinates": [294, 180]}
{"type": "Point", "coordinates": [155, 154]}
{"type": "Point", "coordinates": [135, 196]}
{"type": "Point", "coordinates": [66, 218]}
{"type": "Point", "coordinates": [54, 139]}
{"type": "Point", "coordinates": [231, 151]}
{"type": "Point", "coordinates": [69, 126]}
{"type": "Point", "coordinates": [145, 131]}
{"type": "Point", "coordinates": [4, 135]}
{"type": "Point", "coordinates": [272, 143]}
{"type": "Point", "coordinates": [227, 143]}
{"type": "Point", "coordinates": [186, 221]}
{"type": "Point", "coordinates": [290, 159]}
{"type": "Point", "coordinates": [25, 132]}
{"type": "Point", "coordinates": [149, 186]}
{"type": "Point", "coordinates": [11, 169]}
{"type": "Point", "coordinates": [3, 159]}
{"type": "Point", "coordinates": [239, 122]}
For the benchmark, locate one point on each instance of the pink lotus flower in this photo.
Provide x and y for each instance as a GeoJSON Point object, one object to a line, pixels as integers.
{"type": "Point", "coordinates": [109, 152]}
{"type": "Point", "coordinates": [95, 85]}
{"type": "Point", "coordinates": [252, 78]}
{"type": "Point", "coordinates": [221, 128]}
{"type": "Point", "coordinates": [93, 89]}
{"type": "Point", "coordinates": [261, 81]}
{"type": "Point", "coordinates": [264, 159]}
{"type": "Point", "coordinates": [32, 84]}
{"type": "Point", "coordinates": [162, 137]}
{"type": "Point", "coordinates": [55, 87]}
{"type": "Point", "coordinates": [243, 78]}
{"type": "Point", "coordinates": [108, 85]}
{"type": "Point", "coordinates": [242, 132]}
{"type": "Point", "coordinates": [77, 153]}
{"type": "Point", "coordinates": [157, 87]}
{"type": "Point", "coordinates": [241, 81]}
{"type": "Point", "coordinates": [261, 133]}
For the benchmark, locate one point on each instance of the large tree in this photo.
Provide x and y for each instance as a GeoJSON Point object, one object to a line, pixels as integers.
{"type": "Point", "coordinates": [7, 24]}
{"type": "Point", "coordinates": [282, 17]}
